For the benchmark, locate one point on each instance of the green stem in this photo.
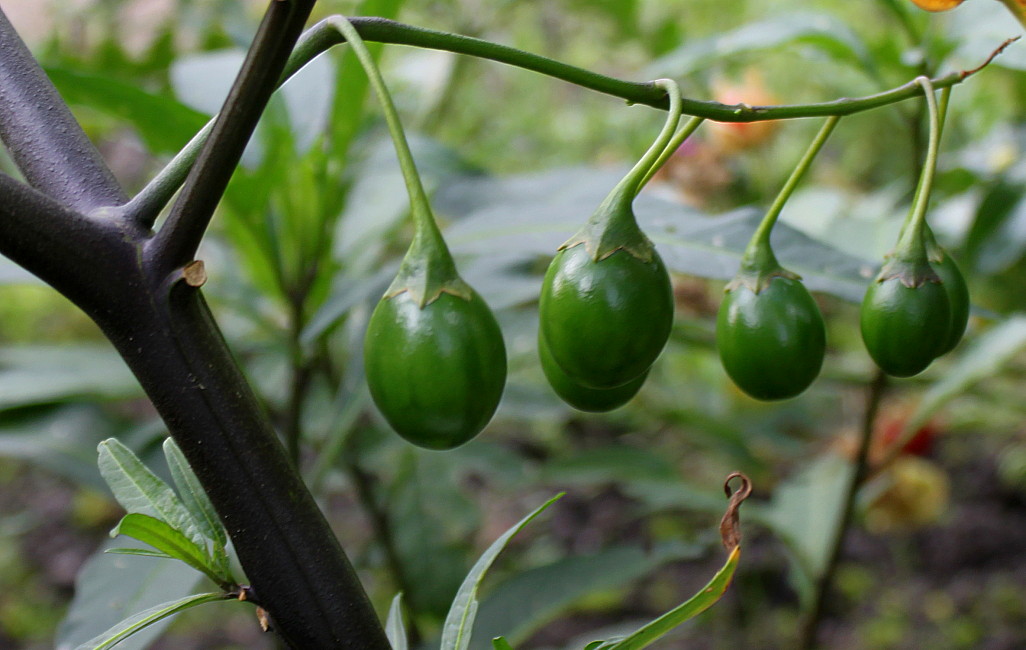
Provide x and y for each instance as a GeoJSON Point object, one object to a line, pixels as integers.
{"type": "Point", "coordinates": [760, 242]}
{"type": "Point", "coordinates": [423, 221]}
{"type": "Point", "coordinates": [671, 147]}
{"type": "Point", "coordinates": [912, 231]}
{"type": "Point", "coordinates": [642, 170]}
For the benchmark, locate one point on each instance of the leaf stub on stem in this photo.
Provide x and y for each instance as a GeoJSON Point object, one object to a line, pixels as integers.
{"type": "Point", "coordinates": [730, 525]}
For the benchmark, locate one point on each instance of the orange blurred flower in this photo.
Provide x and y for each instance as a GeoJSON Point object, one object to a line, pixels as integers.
{"type": "Point", "coordinates": [937, 5]}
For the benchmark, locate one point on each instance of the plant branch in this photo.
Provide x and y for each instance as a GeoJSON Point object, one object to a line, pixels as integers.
{"type": "Point", "coordinates": [43, 137]}
{"type": "Point", "coordinates": [874, 397]}
{"type": "Point", "coordinates": [145, 206]}
{"type": "Point", "coordinates": [176, 243]}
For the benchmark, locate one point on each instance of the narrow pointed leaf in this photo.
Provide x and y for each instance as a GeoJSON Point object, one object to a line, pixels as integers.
{"type": "Point", "coordinates": [394, 629]}
{"type": "Point", "coordinates": [193, 495]}
{"type": "Point", "coordinates": [139, 490]}
{"type": "Point", "coordinates": [500, 643]}
{"type": "Point", "coordinates": [166, 539]}
{"type": "Point", "coordinates": [133, 624]}
{"type": "Point", "coordinates": [697, 604]}
{"type": "Point", "coordinates": [460, 621]}
{"type": "Point", "coordinates": [145, 552]}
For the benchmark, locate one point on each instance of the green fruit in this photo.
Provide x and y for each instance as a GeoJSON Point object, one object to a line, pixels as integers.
{"type": "Point", "coordinates": [437, 372]}
{"type": "Point", "coordinates": [605, 322]}
{"type": "Point", "coordinates": [582, 398]}
{"type": "Point", "coordinates": [771, 343]}
{"type": "Point", "coordinates": [958, 296]}
{"type": "Point", "coordinates": [905, 328]}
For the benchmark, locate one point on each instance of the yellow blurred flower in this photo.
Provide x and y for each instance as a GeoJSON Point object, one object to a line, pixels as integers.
{"type": "Point", "coordinates": [937, 5]}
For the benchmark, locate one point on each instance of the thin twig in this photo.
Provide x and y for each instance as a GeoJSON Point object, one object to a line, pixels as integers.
{"type": "Point", "coordinates": [861, 470]}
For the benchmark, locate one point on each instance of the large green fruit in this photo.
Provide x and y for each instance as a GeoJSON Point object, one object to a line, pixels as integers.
{"type": "Point", "coordinates": [905, 328]}
{"type": "Point", "coordinates": [435, 373]}
{"type": "Point", "coordinates": [958, 297]}
{"type": "Point", "coordinates": [605, 322]}
{"type": "Point", "coordinates": [771, 343]}
{"type": "Point", "coordinates": [582, 398]}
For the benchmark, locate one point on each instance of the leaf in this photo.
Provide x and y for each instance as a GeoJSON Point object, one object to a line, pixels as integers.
{"type": "Point", "coordinates": [170, 541]}
{"type": "Point", "coordinates": [459, 623]}
{"type": "Point", "coordinates": [145, 618]}
{"type": "Point", "coordinates": [825, 32]}
{"type": "Point", "coordinates": [193, 496]}
{"type": "Point", "coordinates": [110, 588]}
{"type": "Point", "coordinates": [163, 124]}
{"type": "Point", "coordinates": [46, 374]}
{"type": "Point", "coordinates": [983, 359]}
{"type": "Point", "coordinates": [61, 439]}
{"type": "Point", "coordinates": [144, 552]}
{"type": "Point", "coordinates": [525, 602]}
{"type": "Point", "coordinates": [804, 513]}
{"type": "Point", "coordinates": [697, 604]}
{"type": "Point", "coordinates": [139, 490]}
{"type": "Point", "coordinates": [500, 643]}
{"type": "Point", "coordinates": [394, 629]}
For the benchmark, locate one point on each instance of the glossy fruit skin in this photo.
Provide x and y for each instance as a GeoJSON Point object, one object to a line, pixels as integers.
{"type": "Point", "coordinates": [436, 373]}
{"type": "Point", "coordinates": [771, 343]}
{"type": "Point", "coordinates": [958, 297]}
{"type": "Point", "coordinates": [605, 322]}
{"type": "Point", "coordinates": [904, 328]}
{"type": "Point", "coordinates": [582, 398]}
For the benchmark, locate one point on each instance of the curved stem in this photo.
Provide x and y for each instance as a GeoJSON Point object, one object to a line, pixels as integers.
{"type": "Point", "coordinates": [912, 242]}
{"type": "Point", "coordinates": [324, 35]}
{"type": "Point", "coordinates": [671, 147]}
{"type": "Point", "coordinates": [423, 221]}
{"type": "Point", "coordinates": [761, 237]}
{"type": "Point", "coordinates": [647, 165]}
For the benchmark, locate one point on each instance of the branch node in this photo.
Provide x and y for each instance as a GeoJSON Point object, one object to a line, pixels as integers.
{"type": "Point", "coordinates": [194, 273]}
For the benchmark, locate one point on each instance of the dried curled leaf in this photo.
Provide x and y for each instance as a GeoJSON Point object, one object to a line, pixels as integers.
{"type": "Point", "coordinates": [937, 5]}
{"type": "Point", "coordinates": [730, 525]}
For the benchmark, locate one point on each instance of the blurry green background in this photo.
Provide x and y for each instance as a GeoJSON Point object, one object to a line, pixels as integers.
{"type": "Point", "coordinates": [311, 231]}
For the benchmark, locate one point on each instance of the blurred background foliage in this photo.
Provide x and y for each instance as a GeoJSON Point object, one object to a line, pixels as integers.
{"type": "Point", "coordinates": [310, 232]}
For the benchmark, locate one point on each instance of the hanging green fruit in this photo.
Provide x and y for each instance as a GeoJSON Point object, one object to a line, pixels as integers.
{"type": "Point", "coordinates": [769, 331]}
{"type": "Point", "coordinates": [582, 398]}
{"type": "Point", "coordinates": [433, 353]}
{"type": "Point", "coordinates": [906, 315]}
{"type": "Point", "coordinates": [606, 305]}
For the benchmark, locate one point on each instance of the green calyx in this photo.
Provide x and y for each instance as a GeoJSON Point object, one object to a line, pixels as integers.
{"type": "Point", "coordinates": [759, 266]}
{"type": "Point", "coordinates": [613, 226]}
{"type": "Point", "coordinates": [427, 271]}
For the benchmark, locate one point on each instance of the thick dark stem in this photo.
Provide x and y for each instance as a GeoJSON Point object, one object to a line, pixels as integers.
{"type": "Point", "coordinates": [176, 243]}
{"type": "Point", "coordinates": [823, 583]}
{"type": "Point", "coordinates": [291, 557]}
{"type": "Point", "coordinates": [42, 136]}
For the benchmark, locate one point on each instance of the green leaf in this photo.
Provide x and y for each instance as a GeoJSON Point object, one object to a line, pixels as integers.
{"type": "Point", "coordinates": [822, 31]}
{"type": "Point", "coordinates": [170, 541]}
{"type": "Point", "coordinates": [162, 123]}
{"type": "Point", "coordinates": [983, 359]}
{"type": "Point", "coordinates": [193, 495]}
{"type": "Point", "coordinates": [394, 629]}
{"type": "Point", "coordinates": [139, 490]}
{"type": "Point", "coordinates": [45, 374]}
{"type": "Point", "coordinates": [61, 439]}
{"type": "Point", "coordinates": [804, 513]}
{"type": "Point", "coordinates": [698, 603]}
{"type": "Point", "coordinates": [500, 643]}
{"type": "Point", "coordinates": [460, 622]}
{"type": "Point", "coordinates": [145, 618]}
{"type": "Point", "coordinates": [112, 587]}
{"type": "Point", "coordinates": [525, 602]}
{"type": "Point", "coordinates": [144, 552]}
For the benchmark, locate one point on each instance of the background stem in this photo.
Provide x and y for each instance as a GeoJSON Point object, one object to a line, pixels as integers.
{"type": "Point", "coordinates": [874, 396]}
